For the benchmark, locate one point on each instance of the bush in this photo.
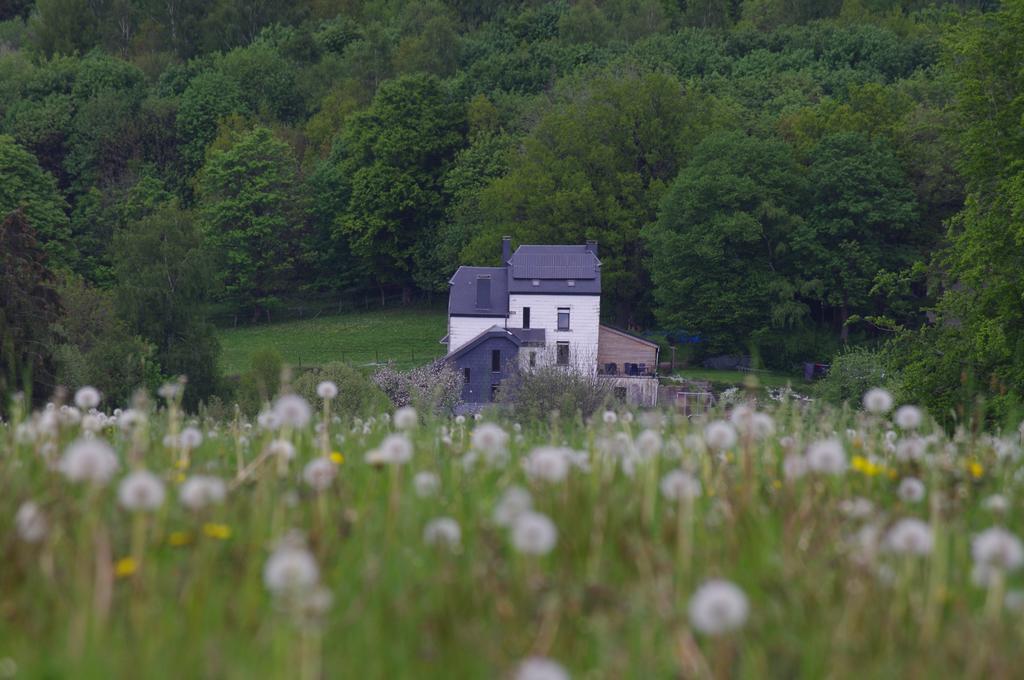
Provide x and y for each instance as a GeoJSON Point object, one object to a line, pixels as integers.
{"type": "Point", "coordinates": [357, 394]}
{"type": "Point", "coordinates": [434, 388]}
{"type": "Point", "coordinates": [261, 382]}
{"type": "Point", "coordinates": [537, 393]}
{"type": "Point", "coordinates": [854, 371]}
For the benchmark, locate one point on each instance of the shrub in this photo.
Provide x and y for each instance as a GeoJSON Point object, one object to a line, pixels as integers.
{"type": "Point", "coordinates": [357, 394]}
{"type": "Point", "coordinates": [539, 392]}
{"type": "Point", "coordinates": [854, 371]}
{"type": "Point", "coordinates": [434, 388]}
{"type": "Point", "coordinates": [261, 382]}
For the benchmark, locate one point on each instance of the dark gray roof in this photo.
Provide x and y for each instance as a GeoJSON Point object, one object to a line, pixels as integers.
{"type": "Point", "coordinates": [492, 332]}
{"type": "Point", "coordinates": [554, 269]}
{"type": "Point", "coordinates": [529, 336]}
{"type": "Point", "coordinates": [462, 298]}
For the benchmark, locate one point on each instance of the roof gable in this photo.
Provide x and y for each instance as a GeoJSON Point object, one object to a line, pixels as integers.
{"type": "Point", "coordinates": [492, 332]}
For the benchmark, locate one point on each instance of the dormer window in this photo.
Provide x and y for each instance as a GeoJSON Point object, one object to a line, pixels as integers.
{"type": "Point", "coordinates": [536, 282]}
{"type": "Point", "coordinates": [483, 292]}
{"type": "Point", "coordinates": [571, 282]}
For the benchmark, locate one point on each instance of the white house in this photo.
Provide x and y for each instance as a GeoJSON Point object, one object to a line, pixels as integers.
{"type": "Point", "coordinates": [542, 306]}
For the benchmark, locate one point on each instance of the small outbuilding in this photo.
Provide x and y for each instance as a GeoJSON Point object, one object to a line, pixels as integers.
{"type": "Point", "coordinates": [625, 354]}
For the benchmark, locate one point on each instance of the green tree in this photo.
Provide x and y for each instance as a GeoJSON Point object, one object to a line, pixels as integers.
{"type": "Point", "coordinates": [209, 98]}
{"type": "Point", "coordinates": [29, 308]}
{"type": "Point", "coordinates": [23, 184]}
{"type": "Point", "coordinates": [387, 171]}
{"type": "Point", "coordinates": [720, 258]}
{"type": "Point", "coordinates": [165, 279]}
{"type": "Point", "coordinates": [862, 222]}
{"type": "Point", "coordinates": [251, 214]}
{"type": "Point", "coordinates": [594, 167]}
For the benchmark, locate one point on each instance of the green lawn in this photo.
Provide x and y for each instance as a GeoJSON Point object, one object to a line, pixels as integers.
{"type": "Point", "coordinates": [407, 336]}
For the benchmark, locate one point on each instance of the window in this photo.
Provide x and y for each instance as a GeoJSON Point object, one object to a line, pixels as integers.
{"type": "Point", "coordinates": [526, 317]}
{"type": "Point", "coordinates": [483, 292]}
{"type": "Point", "coordinates": [495, 360]}
{"type": "Point", "coordinates": [533, 359]}
{"type": "Point", "coordinates": [562, 355]}
{"type": "Point", "coordinates": [465, 374]}
{"type": "Point", "coordinates": [563, 318]}
{"type": "Point", "coordinates": [494, 391]}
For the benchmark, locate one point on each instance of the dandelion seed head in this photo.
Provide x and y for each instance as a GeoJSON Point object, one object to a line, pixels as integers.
{"type": "Point", "coordinates": [648, 443]}
{"type": "Point", "coordinates": [326, 390]}
{"type": "Point", "coordinates": [908, 417]}
{"type": "Point", "coordinates": [533, 534]}
{"type": "Point", "coordinates": [909, 536]}
{"type": "Point", "coordinates": [997, 548]}
{"type": "Point", "coordinates": [911, 490]}
{"type": "Point", "coordinates": [720, 435]}
{"type": "Point", "coordinates": [877, 401]}
{"type": "Point", "coordinates": [281, 448]}
{"type": "Point", "coordinates": [489, 439]}
{"type": "Point", "coordinates": [910, 448]}
{"type": "Point", "coordinates": [319, 473]}
{"type": "Point", "coordinates": [292, 410]}
{"type": "Point", "coordinates": [718, 607]}
{"type": "Point", "coordinates": [30, 522]}
{"type": "Point", "coordinates": [89, 460]}
{"type": "Point", "coordinates": [609, 418]}
{"type": "Point", "coordinates": [426, 484]}
{"type": "Point", "coordinates": [87, 398]}
{"type": "Point", "coordinates": [190, 438]}
{"type": "Point", "coordinates": [444, 532]}
{"type": "Point", "coordinates": [514, 502]}
{"type": "Point", "coordinates": [679, 485]}
{"type": "Point", "coordinates": [141, 490]}
{"type": "Point", "coordinates": [406, 418]}
{"type": "Point", "coordinates": [200, 491]}
{"type": "Point", "coordinates": [540, 668]}
{"type": "Point", "coordinates": [290, 569]}
{"type": "Point", "coordinates": [548, 464]}
{"type": "Point", "coordinates": [826, 457]}
{"type": "Point", "coordinates": [996, 503]}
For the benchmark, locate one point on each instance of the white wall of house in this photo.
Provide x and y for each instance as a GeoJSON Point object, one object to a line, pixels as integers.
{"type": "Point", "coordinates": [584, 322]}
{"type": "Point", "coordinates": [462, 329]}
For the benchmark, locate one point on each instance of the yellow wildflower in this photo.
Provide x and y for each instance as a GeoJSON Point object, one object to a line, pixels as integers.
{"type": "Point", "coordinates": [218, 531]}
{"type": "Point", "coordinates": [179, 478]}
{"type": "Point", "coordinates": [865, 466]}
{"type": "Point", "coordinates": [337, 458]}
{"type": "Point", "coordinates": [179, 538]}
{"type": "Point", "coordinates": [182, 464]}
{"type": "Point", "coordinates": [975, 468]}
{"type": "Point", "coordinates": [126, 566]}
{"type": "Point", "coordinates": [777, 484]}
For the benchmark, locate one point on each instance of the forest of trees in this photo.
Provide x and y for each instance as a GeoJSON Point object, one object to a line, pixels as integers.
{"type": "Point", "coordinates": [782, 177]}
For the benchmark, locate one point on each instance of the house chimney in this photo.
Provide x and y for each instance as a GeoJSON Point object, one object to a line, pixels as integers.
{"type": "Point", "coordinates": [592, 247]}
{"type": "Point", "coordinates": [506, 249]}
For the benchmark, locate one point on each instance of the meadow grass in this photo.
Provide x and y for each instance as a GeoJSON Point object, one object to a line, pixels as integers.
{"type": "Point", "coordinates": [182, 592]}
{"type": "Point", "coordinates": [409, 337]}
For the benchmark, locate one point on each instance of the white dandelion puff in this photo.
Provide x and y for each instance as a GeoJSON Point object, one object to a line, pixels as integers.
{"type": "Point", "coordinates": [319, 473]}
{"type": "Point", "coordinates": [190, 438]}
{"type": "Point", "coordinates": [877, 401]}
{"type": "Point", "coordinates": [679, 485]}
{"type": "Point", "coordinates": [910, 448]}
{"type": "Point", "coordinates": [996, 503]}
{"type": "Point", "coordinates": [199, 491]}
{"type": "Point", "coordinates": [547, 464]}
{"type": "Point", "coordinates": [997, 548]}
{"type": "Point", "coordinates": [406, 418]}
{"type": "Point", "coordinates": [89, 460]}
{"type": "Point", "coordinates": [720, 435]}
{"type": "Point", "coordinates": [31, 522]}
{"type": "Point", "coordinates": [514, 502]}
{"type": "Point", "coordinates": [489, 439]}
{"type": "Point", "coordinates": [533, 534]}
{"type": "Point", "coordinates": [718, 607]}
{"type": "Point", "coordinates": [908, 417]}
{"type": "Point", "coordinates": [826, 457]}
{"type": "Point", "coordinates": [290, 569]}
{"type": "Point", "coordinates": [909, 536]}
{"type": "Point", "coordinates": [292, 410]}
{"type": "Point", "coordinates": [609, 418]}
{"type": "Point", "coordinates": [326, 390]}
{"type": "Point", "coordinates": [282, 449]}
{"type": "Point", "coordinates": [443, 531]}
{"type": "Point", "coordinates": [426, 484]}
{"type": "Point", "coordinates": [87, 398]}
{"type": "Point", "coordinates": [141, 491]}
{"type": "Point", "coordinates": [911, 490]}
{"type": "Point", "coordinates": [540, 668]}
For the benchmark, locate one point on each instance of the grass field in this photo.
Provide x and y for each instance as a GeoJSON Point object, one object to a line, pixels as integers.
{"type": "Point", "coordinates": [406, 336]}
{"type": "Point", "coordinates": [796, 541]}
